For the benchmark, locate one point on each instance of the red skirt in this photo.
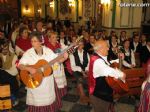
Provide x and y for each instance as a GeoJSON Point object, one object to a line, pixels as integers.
{"type": "Point", "coordinates": [62, 91]}
{"type": "Point", "coordinates": [49, 108]}
{"type": "Point", "coordinates": [144, 105]}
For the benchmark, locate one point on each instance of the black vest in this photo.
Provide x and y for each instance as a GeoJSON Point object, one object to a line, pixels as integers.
{"type": "Point", "coordinates": [102, 89]}
{"type": "Point", "coordinates": [77, 60]}
{"type": "Point", "coordinates": [127, 58]}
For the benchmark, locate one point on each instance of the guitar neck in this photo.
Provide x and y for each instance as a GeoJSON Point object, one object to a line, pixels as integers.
{"type": "Point", "coordinates": [61, 55]}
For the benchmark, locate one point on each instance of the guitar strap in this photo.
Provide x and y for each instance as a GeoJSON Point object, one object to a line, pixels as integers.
{"type": "Point", "coordinates": [102, 59]}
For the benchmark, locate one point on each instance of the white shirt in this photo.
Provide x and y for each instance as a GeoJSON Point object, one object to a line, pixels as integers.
{"type": "Point", "coordinates": [135, 45]}
{"type": "Point", "coordinates": [18, 50]}
{"type": "Point", "coordinates": [73, 64]}
{"type": "Point", "coordinates": [62, 41]}
{"type": "Point", "coordinates": [114, 45]}
{"type": "Point", "coordinates": [100, 68]}
{"type": "Point", "coordinates": [148, 47]}
{"type": "Point", "coordinates": [125, 63]}
{"type": "Point", "coordinates": [11, 48]}
{"type": "Point", "coordinates": [144, 44]}
{"type": "Point", "coordinates": [45, 93]}
{"type": "Point", "coordinates": [15, 35]}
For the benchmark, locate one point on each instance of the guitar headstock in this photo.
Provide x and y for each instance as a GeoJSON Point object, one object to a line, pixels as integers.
{"type": "Point", "coordinates": [73, 46]}
{"type": "Point", "coordinates": [79, 39]}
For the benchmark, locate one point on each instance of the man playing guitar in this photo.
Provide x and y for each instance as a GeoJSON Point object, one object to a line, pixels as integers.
{"type": "Point", "coordinates": [101, 93]}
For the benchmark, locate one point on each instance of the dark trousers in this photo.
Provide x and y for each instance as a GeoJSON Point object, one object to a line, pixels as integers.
{"type": "Point", "coordinates": [6, 78]}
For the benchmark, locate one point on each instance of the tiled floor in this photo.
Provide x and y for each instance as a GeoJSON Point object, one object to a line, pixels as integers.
{"type": "Point", "coordinates": [71, 102]}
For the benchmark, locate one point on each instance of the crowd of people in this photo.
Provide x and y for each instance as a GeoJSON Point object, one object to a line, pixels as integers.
{"type": "Point", "coordinates": [27, 42]}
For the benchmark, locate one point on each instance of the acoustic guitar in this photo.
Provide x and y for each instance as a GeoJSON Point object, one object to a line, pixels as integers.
{"type": "Point", "coordinates": [44, 68]}
{"type": "Point", "coordinates": [119, 86]}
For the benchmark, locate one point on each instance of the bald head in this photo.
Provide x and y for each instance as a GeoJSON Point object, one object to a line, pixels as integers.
{"type": "Point", "coordinates": [101, 47]}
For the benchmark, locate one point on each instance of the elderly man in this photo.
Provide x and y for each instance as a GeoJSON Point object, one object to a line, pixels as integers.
{"type": "Point", "coordinates": [101, 93]}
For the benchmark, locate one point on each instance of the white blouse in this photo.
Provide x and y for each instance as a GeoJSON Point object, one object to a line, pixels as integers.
{"type": "Point", "coordinates": [45, 93]}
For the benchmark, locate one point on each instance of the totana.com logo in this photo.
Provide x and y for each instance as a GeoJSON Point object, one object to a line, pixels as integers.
{"type": "Point", "coordinates": [134, 4]}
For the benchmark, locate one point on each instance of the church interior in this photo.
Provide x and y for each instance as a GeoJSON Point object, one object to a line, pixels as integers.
{"type": "Point", "coordinates": [47, 49]}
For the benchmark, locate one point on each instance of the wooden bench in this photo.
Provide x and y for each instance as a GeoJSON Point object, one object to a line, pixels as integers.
{"type": "Point", "coordinates": [137, 59]}
{"type": "Point", "coordinates": [5, 101]}
{"type": "Point", "coordinates": [134, 78]}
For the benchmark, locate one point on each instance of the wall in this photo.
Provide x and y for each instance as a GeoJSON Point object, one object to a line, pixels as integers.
{"type": "Point", "coordinates": [85, 9]}
{"type": "Point", "coordinates": [13, 3]}
{"type": "Point", "coordinates": [147, 18]}
{"type": "Point", "coordinates": [107, 15]}
{"type": "Point", "coordinates": [122, 18]}
{"type": "Point", "coordinates": [30, 12]}
{"type": "Point", "coordinates": [71, 11]}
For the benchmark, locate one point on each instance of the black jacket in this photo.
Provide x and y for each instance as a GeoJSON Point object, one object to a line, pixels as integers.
{"type": "Point", "coordinates": [138, 48]}
{"type": "Point", "coordinates": [145, 54]}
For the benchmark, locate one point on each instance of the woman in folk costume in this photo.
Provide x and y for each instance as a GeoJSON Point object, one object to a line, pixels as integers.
{"type": "Point", "coordinates": [113, 48]}
{"type": "Point", "coordinates": [58, 72]}
{"type": "Point", "coordinates": [42, 98]}
{"type": "Point", "coordinates": [144, 105]}
{"type": "Point", "coordinates": [129, 58]}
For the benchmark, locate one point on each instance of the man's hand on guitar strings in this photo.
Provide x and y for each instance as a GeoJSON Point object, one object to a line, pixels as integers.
{"type": "Point", "coordinates": [122, 75]}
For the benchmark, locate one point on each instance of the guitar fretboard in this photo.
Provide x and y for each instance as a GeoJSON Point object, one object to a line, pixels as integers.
{"type": "Point", "coordinates": [62, 54]}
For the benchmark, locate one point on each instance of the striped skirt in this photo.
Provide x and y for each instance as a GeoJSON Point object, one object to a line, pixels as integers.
{"type": "Point", "coordinates": [62, 91]}
{"type": "Point", "coordinates": [144, 105]}
{"type": "Point", "coordinates": [53, 107]}
{"type": "Point", "coordinates": [49, 108]}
